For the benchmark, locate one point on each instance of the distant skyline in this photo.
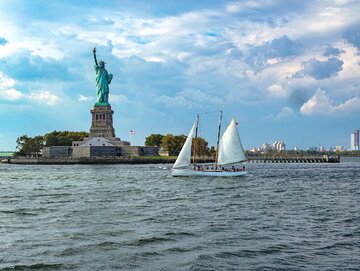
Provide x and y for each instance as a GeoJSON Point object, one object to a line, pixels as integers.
{"type": "Point", "coordinates": [287, 70]}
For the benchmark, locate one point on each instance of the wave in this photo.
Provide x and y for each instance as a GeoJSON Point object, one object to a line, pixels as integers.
{"type": "Point", "coordinates": [37, 266]}
{"type": "Point", "coordinates": [151, 240]}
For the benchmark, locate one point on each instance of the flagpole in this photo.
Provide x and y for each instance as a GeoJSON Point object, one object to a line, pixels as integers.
{"type": "Point", "coordinates": [132, 133]}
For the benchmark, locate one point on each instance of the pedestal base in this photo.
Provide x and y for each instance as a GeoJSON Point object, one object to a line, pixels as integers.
{"type": "Point", "coordinates": [102, 122]}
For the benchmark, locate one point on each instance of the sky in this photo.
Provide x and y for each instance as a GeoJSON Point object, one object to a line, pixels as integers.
{"type": "Point", "coordinates": [286, 70]}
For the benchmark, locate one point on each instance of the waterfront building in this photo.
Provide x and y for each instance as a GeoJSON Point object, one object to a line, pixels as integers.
{"type": "Point", "coordinates": [312, 148]}
{"type": "Point", "coordinates": [354, 141]}
{"type": "Point", "coordinates": [279, 146]}
{"type": "Point", "coordinates": [339, 148]}
{"type": "Point", "coordinates": [265, 147]}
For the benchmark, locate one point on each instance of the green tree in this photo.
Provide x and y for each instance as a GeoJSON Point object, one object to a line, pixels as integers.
{"type": "Point", "coordinates": [63, 138]}
{"type": "Point", "coordinates": [35, 145]}
{"type": "Point", "coordinates": [20, 143]}
{"type": "Point", "coordinates": [212, 152]}
{"type": "Point", "coordinates": [173, 144]}
{"type": "Point", "coordinates": [29, 146]}
{"type": "Point", "coordinates": [154, 140]}
{"type": "Point", "coordinates": [201, 147]}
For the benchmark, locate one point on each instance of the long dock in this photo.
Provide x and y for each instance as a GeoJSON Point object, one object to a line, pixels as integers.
{"type": "Point", "coordinates": [302, 159]}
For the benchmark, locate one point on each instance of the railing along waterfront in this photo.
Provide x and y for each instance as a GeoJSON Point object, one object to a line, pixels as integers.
{"type": "Point", "coordinates": [300, 159]}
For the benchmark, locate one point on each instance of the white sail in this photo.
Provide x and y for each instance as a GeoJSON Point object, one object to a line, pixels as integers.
{"type": "Point", "coordinates": [184, 158]}
{"type": "Point", "coordinates": [230, 148]}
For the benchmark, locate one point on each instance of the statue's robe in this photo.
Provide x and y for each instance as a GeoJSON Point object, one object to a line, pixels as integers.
{"type": "Point", "coordinates": [103, 79]}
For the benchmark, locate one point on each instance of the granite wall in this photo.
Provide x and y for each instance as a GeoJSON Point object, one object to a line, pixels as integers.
{"type": "Point", "coordinates": [96, 151]}
{"type": "Point", "coordinates": [57, 151]}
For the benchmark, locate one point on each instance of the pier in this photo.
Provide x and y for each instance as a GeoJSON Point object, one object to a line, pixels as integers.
{"type": "Point", "coordinates": [301, 159]}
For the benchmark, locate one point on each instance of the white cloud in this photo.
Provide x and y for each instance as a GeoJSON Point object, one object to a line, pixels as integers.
{"type": "Point", "coordinates": [7, 92]}
{"type": "Point", "coordinates": [285, 113]}
{"type": "Point", "coordinates": [176, 101]}
{"type": "Point", "coordinates": [277, 91]}
{"type": "Point", "coordinates": [82, 98]}
{"type": "Point", "coordinates": [190, 98]}
{"type": "Point", "coordinates": [44, 96]}
{"type": "Point", "coordinates": [5, 81]}
{"type": "Point", "coordinates": [11, 94]}
{"type": "Point", "coordinates": [154, 59]}
{"type": "Point", "coordinates": [321, 104]}
{"type": "Point", "coordinates": [235, 7]}
{"type": "Point", "coordinates": [113, 98]}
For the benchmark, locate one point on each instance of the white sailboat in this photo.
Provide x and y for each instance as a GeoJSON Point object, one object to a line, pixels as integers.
{"type": "Point", "coordinates": [230, 155]}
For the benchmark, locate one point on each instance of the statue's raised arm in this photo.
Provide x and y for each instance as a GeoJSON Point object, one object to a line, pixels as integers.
{"type": "Point", "coordinates": [94, 51]}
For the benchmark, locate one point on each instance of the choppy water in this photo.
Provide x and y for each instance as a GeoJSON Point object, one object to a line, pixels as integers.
{"type": "Point", "coordinates": [123, 217]}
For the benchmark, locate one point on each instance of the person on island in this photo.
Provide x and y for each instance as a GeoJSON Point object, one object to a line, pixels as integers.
{"type": "Point", "coordinates": [103, 79]}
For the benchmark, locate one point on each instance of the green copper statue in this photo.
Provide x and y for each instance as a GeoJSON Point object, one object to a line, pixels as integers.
{"type": "Point", "coordinates": [103, 79]}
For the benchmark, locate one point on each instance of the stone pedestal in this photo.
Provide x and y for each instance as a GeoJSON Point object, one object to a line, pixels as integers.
{"type": "Point", "coordinates": [102, 122]}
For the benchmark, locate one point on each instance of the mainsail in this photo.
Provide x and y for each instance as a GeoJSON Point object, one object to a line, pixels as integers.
{"type": "Point", "coordinates": [230, 148]}
{"type": "Point", "coordinates": [184, 158]}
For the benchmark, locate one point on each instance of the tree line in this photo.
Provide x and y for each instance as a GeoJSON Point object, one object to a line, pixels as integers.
{"type": "Point", "coordinates": [173, 144]}
{"type": "Point", "coordinates": [32, 146]}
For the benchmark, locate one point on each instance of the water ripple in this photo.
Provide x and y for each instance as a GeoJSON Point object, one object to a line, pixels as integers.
{"type": "Point", "coordinates": [137, 217]}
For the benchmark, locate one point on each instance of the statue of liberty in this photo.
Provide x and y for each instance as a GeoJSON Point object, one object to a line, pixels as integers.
{"type": "Point", "coordinates": [103, 79]}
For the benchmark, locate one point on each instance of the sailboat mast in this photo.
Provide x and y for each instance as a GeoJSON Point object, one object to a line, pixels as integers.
{"type": "Point", "coordinates": [196, 133]}
{"type": "Point", "coordinates": [218, 139]}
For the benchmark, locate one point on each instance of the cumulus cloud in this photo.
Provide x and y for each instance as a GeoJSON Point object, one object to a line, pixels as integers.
{"type": "Point", "coordinates": [235, 7]}
{"type": "Point", "coordinates": [285, 113]}
{"type": "Point", "coordinates": [114, 98]}
{"type": "Point", "coordinates": [272, 52]}
{"type": "Point", "coordinates": [320, 69]}
{"type": "Point", "coordinates": [190, 98]}
{"type": "Point", "coordinates": [332, 51]}
{"type": "Point", "coordinates": [6, 82]}
{"type": "Point", "coordinates": [277, 91]}
{"type": "Point", "coordinates": [11, 94]}
{"type": "Point", "coordinates": [352, 36]}
{"type": "Point", "coordinates": [82, 98]}
{"type": "Point", "coordinates": [7, 91]}
{"type": "Point", "coordinates": [44, 97]}
{"type": "Point", "coordinates": [322, 104]}
{"type": "Point", "coordinates": [23, 65]}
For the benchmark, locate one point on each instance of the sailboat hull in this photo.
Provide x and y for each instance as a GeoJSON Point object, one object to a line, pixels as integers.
{"type": "Point", "coordinates": [206, 173]}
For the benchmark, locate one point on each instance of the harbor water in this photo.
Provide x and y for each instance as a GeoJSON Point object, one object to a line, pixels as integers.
{"type": "Point", "coordinates": [138, 217]}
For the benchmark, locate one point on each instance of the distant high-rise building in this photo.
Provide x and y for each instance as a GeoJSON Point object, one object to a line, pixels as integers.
{"type": "Point", "coordinates": [355, 140]}
{"type": "Point", "coordinates": [339, 148]}
{"type": "Point", "coordinates": [279, 146]}
{"type": "Point", "coordinates": [265, 147]}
